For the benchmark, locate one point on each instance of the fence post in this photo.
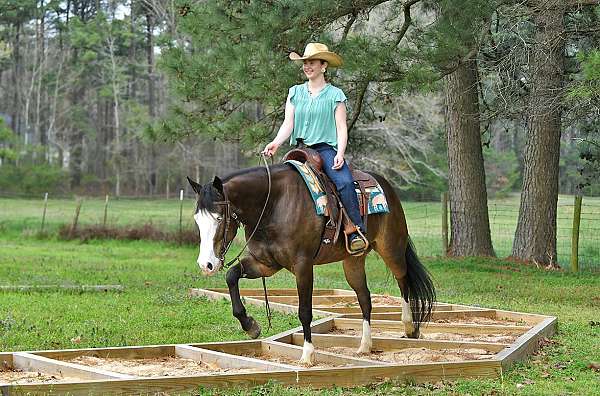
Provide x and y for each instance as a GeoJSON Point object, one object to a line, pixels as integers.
{"type": "Point", "coordinates": [445, 223]}
{"type": "Point", "coordinates": [44, 213]}
{"type": "Point", "coordinates": [76, 217]}
{"type": "Point", "coordinates": [105, 211]}
{"type": "Point", "coordinates": [180, 215]}
{"type": "Point", "coordinates": [575, 235]}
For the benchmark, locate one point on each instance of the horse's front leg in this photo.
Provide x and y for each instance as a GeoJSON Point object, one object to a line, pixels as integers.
{"type": "Point", "coordinates": [354, 269]}
{"type": "Point", "coordinates": [304, 283]}
{"type": "Point", "coordinates": [250, 269]}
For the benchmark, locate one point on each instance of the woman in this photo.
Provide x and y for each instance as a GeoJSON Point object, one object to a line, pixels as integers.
{"type": "Point", "coordinates": [316, 112]}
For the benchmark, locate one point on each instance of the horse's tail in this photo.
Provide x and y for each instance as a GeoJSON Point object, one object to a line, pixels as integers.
{"type": "Point", "coordinates": [421, 292]}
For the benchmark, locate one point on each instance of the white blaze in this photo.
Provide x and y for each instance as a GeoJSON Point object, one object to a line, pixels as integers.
{"type": "Point", "coordinates": [207, 224]}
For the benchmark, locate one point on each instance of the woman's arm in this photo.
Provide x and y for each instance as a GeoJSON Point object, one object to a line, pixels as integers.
{"type": "Point", "coordinates": [342, 134]}
{"type": "Point", "coordinates": [285, 130]}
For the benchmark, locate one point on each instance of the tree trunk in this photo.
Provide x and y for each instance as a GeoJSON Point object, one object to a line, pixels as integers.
{"type": "Point", "coordinates": [16, 76]}
{"type": "Point", "coordinates": [535, 237]}
{"type": "Point", "coordinates": [469, 219]}
{"type": "Point", "coordinates": [150, 57]}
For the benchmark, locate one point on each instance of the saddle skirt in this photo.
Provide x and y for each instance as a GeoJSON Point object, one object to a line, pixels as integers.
{"type": "Point", "coordinates": [373, 202]}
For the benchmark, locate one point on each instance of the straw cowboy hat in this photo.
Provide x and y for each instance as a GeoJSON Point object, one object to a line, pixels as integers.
{"type": "Point", "coordinates": [318, 51]}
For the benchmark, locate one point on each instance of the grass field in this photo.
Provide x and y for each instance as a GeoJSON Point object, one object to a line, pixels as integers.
{"type": "Point", "coordinates": [154, 308]}
{"type": "Point", "coordinates": [424, 221]}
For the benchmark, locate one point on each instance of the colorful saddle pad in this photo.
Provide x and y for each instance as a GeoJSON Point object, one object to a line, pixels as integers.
{"type": "Point", "coordinates": [377, 201]}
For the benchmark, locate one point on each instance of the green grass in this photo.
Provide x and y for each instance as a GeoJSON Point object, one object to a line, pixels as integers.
{"type": "Point", "coordinates": [424, 221]}
{"type": "Point", "coordinates": [154, 309]}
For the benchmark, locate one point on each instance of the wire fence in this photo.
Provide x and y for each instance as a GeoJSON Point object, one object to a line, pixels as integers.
{"type": "Point", "coordinates": [424, 220]}
{"type": "Point", "coordinates": [425, 227]}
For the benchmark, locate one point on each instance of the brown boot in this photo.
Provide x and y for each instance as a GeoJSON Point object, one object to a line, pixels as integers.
{"type": "Point", "coordinates": [357, 243]}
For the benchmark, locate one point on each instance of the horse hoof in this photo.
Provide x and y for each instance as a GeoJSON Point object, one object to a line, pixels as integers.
{"type": "Point", "coordinates": [254, 330]}
{"type": "Point", "coordinates": [363, 351]}
{"type": "Point", "coordinates": [415, 334]}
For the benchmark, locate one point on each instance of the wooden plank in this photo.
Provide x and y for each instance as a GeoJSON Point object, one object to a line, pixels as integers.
{"type": "Point", "coordinates": [388, 344]}
{"type": "Point", "coordinates": [276, 292]}
{"type": "Point", "coordinates": [314, 378]}
{"type": "Point", "coordinates": [316, 300]}
{"type": "Point", "coordinates": [131, 352]}
{"type": "Point", "coordinates": [376, 309]}
{"type": "Point", "coordinates": [436, 315]}
{"type": "Point", "coordinates": [460, 328]}
{"type": "Point", "coordinates": [295, 352]}
{"type": "Point", "coordinates": [275, 306]}
{"type": "Point", "coordinates": [6, 360]}
{"type": "Point", "coordinates": [324, 325]}
{"type": "Point", "coordinates": [231, 347]}
{"type": "Point", "coordinates": [226, 360]}
{"type": "Point", "coordinates": [76, 288]}
{"type": "Point", "coordinates": [527, 343]}
{"type": "Point", "coordinates": [30, 362]}
{"type": "Point", "coordinates": [529, 318]}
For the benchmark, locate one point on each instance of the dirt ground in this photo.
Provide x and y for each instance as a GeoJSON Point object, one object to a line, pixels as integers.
{"type": "Point", "coordinates": [16, 377]}
{"type": "Point", "coordinates": [156, 367]}
{"type": "Point", "coordinates": [289, 361]}
{"type": "Point", "coordinates": [498, 338]}
{"type": "Point", "coordinates": [418, 355]}
{"type": "Point", "coordinates": [481, 320]}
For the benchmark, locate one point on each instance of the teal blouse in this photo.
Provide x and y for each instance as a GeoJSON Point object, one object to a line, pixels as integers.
{"type": "Point", "coordinates": [314, 117]}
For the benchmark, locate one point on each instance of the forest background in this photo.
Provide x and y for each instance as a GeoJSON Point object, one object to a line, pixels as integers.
{"type": "Point", "coordinates": [482, 99]}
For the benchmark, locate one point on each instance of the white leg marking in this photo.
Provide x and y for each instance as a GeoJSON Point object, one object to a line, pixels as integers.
{"type": "Point", "coordinates": [308, 354]}
{"type": "Point", "coordinates": [366, 343]}
{"type": "Point", "coordinates": [407, 319]}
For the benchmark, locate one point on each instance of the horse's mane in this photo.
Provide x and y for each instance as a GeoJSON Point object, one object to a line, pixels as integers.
{"type": "Point", "coordinates": [254, 169]}
{"type": "Point", "coordinates": [209, 195]}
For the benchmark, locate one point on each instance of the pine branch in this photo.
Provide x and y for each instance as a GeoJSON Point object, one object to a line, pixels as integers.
{"type": "Point", "coordinates": [407, 21]}
{"type": "Point", "coordinates": [348, 27]}
{"type": "Point", "coordinates": [359, 102]}
{"type": "Point", "coordinates": [583, 3]}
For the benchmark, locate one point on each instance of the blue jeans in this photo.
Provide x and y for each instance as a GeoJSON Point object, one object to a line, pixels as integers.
{"type": "Point", "coordinates": [342, 178]}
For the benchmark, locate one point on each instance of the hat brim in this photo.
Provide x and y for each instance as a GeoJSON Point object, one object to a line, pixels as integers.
{"type": "Point", "coordinates": [333, 59]}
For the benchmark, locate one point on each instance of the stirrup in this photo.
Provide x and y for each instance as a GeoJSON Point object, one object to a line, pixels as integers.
{"type": "Point", "coordinates": [361, 237]}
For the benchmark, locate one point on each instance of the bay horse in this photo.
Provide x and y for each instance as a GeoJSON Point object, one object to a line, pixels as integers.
{"type": "Point", "coordinates": [288, 235]}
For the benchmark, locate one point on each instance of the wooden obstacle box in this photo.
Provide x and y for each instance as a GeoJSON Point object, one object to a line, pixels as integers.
{"type": "Point", "coordinates": [459, 342]}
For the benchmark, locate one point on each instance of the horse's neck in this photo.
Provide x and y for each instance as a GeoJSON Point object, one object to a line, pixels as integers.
{"type": "Point", "coordinates": [248, 192]}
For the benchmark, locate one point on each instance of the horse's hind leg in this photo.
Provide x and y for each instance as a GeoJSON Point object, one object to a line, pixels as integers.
{"type": "Point", "coordinates": [354, 269]}
{"type": "Point", "coordinates": [250, 269]}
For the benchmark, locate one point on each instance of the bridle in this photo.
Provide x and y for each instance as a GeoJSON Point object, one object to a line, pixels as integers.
{"type": "Point", "coordinates": [229, 216]}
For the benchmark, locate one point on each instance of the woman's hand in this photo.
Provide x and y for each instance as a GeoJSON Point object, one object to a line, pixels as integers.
{"type": "Point", "coordinates": [270, 149]}
{"type": "Point", "coordinates": [338, 161]}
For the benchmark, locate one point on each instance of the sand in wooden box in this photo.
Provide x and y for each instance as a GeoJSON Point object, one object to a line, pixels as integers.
{"type": "Point", "coordinates": [481, 320]}
{"type": "Point", "coordinates": [286, 355]}
{"type": "Point", "coordinates": [10, 376]}
{"type": "Point", "coordinates": [375, 332]}
{"type": "Point", "coordinates": [418, 355]}
{"type": "Point", "coordinates": [165, 366]}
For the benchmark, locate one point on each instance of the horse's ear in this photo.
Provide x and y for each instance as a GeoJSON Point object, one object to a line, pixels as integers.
{"type": "Point", "coordinates": [195, 186]}
{"type": "Point", "coordinates": [218, 184]}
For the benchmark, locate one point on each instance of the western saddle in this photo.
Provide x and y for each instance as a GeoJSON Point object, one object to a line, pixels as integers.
{"type": "Point", "coordinates": [335, 211]}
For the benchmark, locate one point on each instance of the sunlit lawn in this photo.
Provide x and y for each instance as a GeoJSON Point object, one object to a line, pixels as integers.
{"type": "Point", "coordinates": [155, 309]}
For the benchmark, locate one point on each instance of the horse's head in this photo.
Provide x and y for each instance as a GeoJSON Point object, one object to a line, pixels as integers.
{"type": "Point", "coordinates": [216, 222]}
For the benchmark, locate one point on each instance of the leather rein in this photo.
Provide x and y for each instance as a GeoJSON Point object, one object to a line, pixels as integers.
{"type": "Point", "coordinates": [230, 216]}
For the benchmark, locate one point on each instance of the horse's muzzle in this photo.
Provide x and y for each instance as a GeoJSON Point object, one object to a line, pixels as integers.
{"type": "Point", "coordinates": [209, 269]}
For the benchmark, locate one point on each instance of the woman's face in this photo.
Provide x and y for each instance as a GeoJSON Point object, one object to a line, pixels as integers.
{"type": "Point", "coordinates": [313, 68]}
